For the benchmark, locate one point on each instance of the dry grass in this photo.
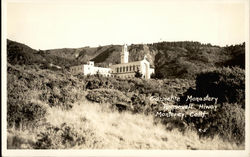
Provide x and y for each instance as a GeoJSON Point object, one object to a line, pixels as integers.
{"type": "Point", "coordinates": [104, 128]}
{"type": "Point", "coordinates": [131, 131]}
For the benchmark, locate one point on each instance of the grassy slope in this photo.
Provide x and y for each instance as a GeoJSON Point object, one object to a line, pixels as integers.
{"type": "Point", "coordinates": [107, 129]}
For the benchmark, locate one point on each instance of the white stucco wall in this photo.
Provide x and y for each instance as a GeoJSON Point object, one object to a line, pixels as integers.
{"type": "Point", "coordinates": [91, 70]}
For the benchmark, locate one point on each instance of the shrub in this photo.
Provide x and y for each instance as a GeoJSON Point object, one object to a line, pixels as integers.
{"type": "Point", "coordinates": [25, 85]}
{"type": "Point", "coordinates": [95, 82]}
{"type": "Point", "coordinates": [138, 74]}
{"type": "Point", "coordinates": [232, 122]}
{"type": "Point", "coordinates": [61, 93]}
{"type": "Point", "coordinates": [137, 103]}
{"type": "Point", "coordinates": [24, 113]}
{"type": "Point", "coordinates": [228, 121]}
{"type": "Point", "coordinates": [64, 136]}
{"type": "Point", "coordinates": [140, 104]}
{"type": "Point", "coordinates": [227, 84]}
{"type": "Point", "coordinates": [18, 142]}
{"type": "Point", "coordinates": [20, 109]}
{"type": "Point", "coordinates": [124, 86]}
{"type": "Point", "coordinates": [111, 96]}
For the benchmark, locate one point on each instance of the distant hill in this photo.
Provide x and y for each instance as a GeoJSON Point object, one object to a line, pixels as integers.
{"type": "Point", "coordinates": [21, 54]}
{"type": "Point", "coordinates": [18, 53]}
{"type": "Point", "coordinates": [170, 59]}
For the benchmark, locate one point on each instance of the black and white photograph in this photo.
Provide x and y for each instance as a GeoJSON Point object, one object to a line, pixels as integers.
{"type": "Point", "coordinates": [146, 76]}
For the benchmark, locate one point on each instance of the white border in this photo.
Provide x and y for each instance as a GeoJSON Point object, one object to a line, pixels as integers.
{"type": "Point", "coordinates": [4, 76]}
{"type": "Point", "coordinates": [247, 72]}
{"type": "Point", "coordinates": [5, 152]}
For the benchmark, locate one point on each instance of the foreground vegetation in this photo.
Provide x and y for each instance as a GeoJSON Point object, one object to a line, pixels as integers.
{"type": "Point", "coordinates": [53, 109]}
{"type": "Point", "coordinates": [93, 126]}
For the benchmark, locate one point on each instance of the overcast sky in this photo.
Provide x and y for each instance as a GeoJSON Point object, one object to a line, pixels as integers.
{"type": "Point", "coordinates": [65, 24]}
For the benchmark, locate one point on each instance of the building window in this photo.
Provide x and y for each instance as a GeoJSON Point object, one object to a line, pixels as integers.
{"type": "Point", "coordinates": [120, 69]}
{"type": "Point", "coordinates": [127, 68]}
{"type": "Point", "coordinates": [117, 69]}
{"type": "Point", "coordinates": [123, 69]}
{"type": "Point", "coordinates": [133, 67]}
{"type": "Point", "coordinates": [130, 68]}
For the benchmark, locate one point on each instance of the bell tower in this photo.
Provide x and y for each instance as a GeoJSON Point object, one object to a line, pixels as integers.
{"type": "Point", "coordinates": [124, 54]}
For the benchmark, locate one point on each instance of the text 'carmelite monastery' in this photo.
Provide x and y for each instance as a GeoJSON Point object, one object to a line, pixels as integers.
{"type": "Point", "coordinates": [123, 70]}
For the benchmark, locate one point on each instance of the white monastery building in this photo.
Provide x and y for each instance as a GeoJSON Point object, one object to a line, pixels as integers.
{"type": "Point", "coordinates": [123, 70]}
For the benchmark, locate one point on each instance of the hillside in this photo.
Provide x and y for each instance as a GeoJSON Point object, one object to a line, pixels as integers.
{"type": "Point", "coordinates": [170, 59]}
{"type": "Point", "coordinates": [18, 53]}
{"type": "Point", "coordinates": [53, 110]}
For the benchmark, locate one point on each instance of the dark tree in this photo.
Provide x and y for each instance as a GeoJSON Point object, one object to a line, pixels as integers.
{"type": "Point", "coordinates": [138, 74]}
